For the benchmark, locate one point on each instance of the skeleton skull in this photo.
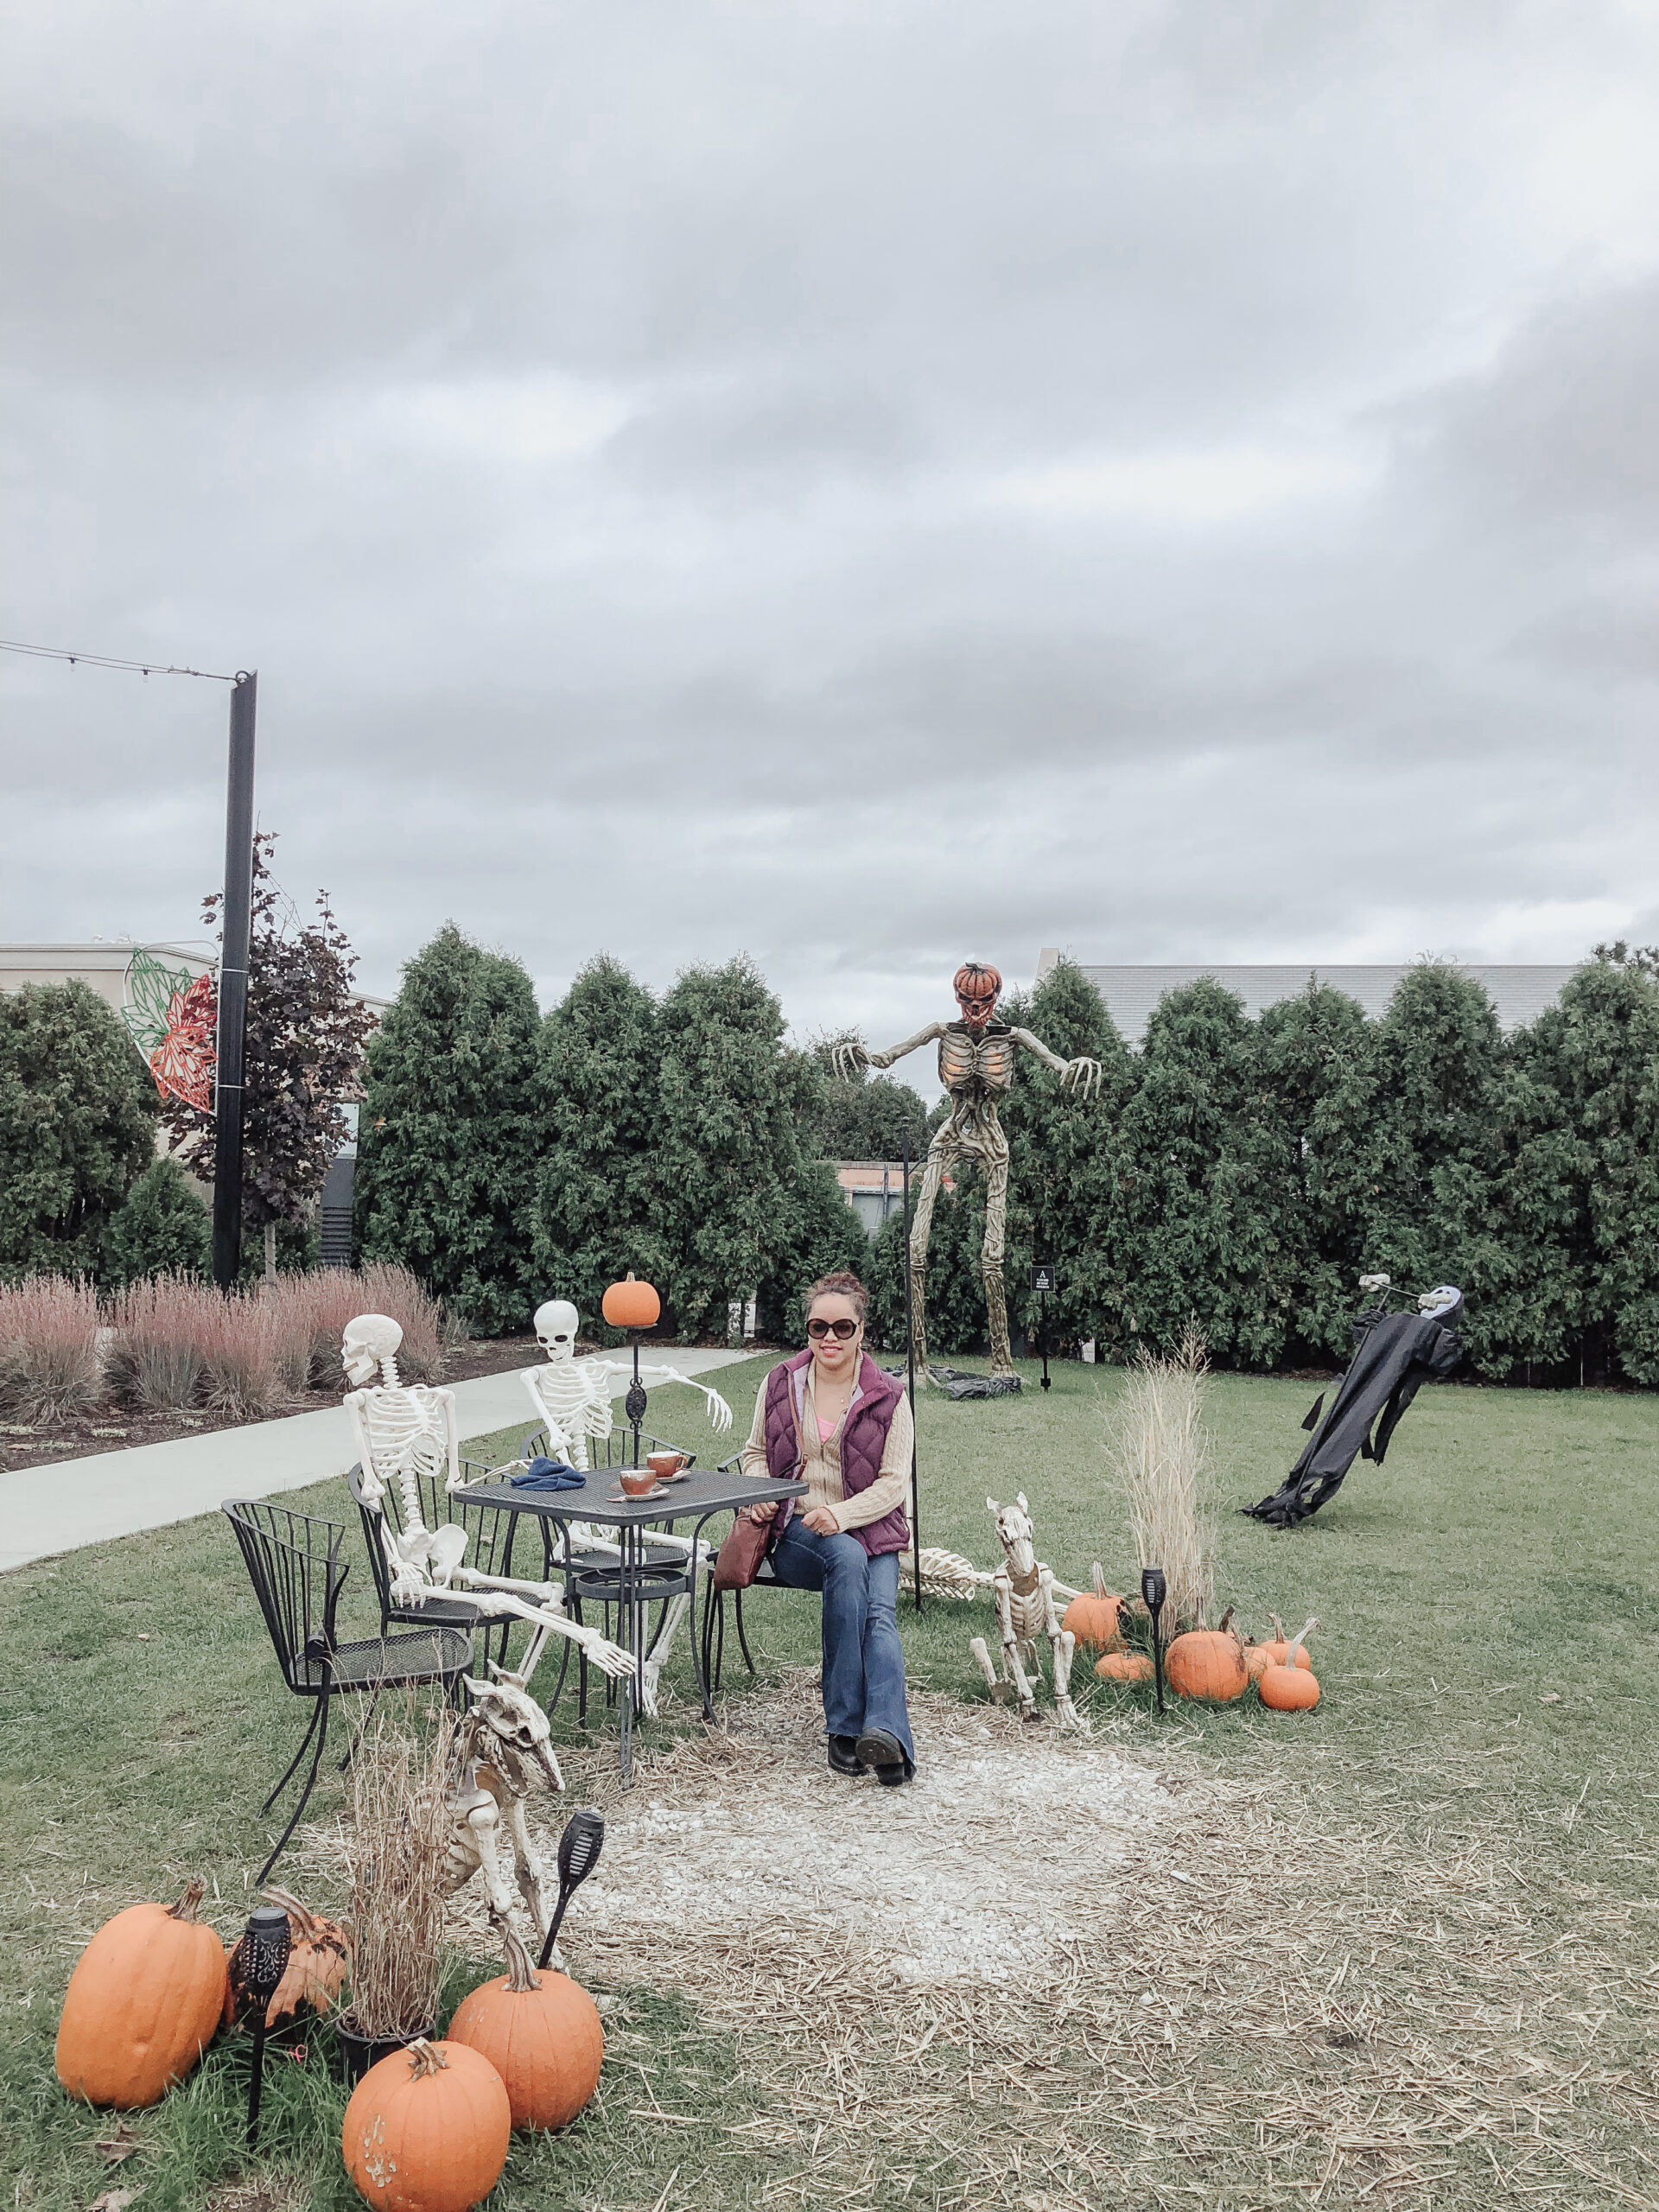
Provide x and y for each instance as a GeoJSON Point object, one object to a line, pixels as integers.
{"type": "Point", "coordinates": [368, 1340]}
{"type": "Point", "coordinates": [555, 1328]}
{"type": "Point", "coordinates": [513, 1717]}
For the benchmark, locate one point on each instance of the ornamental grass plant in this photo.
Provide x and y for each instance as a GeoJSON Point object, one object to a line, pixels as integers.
{"type": "Point", "coordinates": [398, 1843]}
{"type": "Point", "coordinates": [49, 1364]}
{"type": "Point", "coordinates": [1158, 1451]}
{"type": "Point", "coordinates": [154, 1361]}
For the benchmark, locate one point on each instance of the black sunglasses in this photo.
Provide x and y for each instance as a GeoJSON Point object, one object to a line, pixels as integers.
{"type": "Point", "coordinates": [844, 1330]}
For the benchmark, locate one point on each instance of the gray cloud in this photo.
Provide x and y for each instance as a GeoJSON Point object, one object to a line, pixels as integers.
{"type": "Point", "coordinates": [859, 485]}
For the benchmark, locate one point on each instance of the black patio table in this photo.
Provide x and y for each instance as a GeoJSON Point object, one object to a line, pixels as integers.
{"type": "Point", "coordinates": [633, 1585]}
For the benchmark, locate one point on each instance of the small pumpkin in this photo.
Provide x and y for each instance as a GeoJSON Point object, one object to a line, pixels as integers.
{"type": "Point", "coordinates": [542, 2033]}
{"type": "Point", "coordinates": [142, 2004]}
{"type": "Point", "coordinates": [1125, 1666]}
{"type": "Point", "coordinates": [1092, 1618]}
{"type": "Point", "coordinates": [319, 1960]}
{"type": "Point", "coordinates": [1208, 1663]}
{"type": "Point", "coordinates": [1258, 1658]}
{"type": "Point", "coordinates": [631, 1305]}
{"type": "Point", "coordinates": [427, 2130]}
{"type": "Point", "coordinates": [1278, 1647]}
{"type": "Point", "coordinates": [1292, 1689]}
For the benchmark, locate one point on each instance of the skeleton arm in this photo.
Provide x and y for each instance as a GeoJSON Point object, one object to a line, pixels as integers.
{"type": "Point", "coordinates": [1080, 1075]}
{"type": "Point", "coordinates": [849, 1058]}
{"type": "Point", "coordinates": [720, 1414]}
{"type": "Point", "coordinates": [452, 1481]}
{"type": "Point", "coordinates": [374, 1488]}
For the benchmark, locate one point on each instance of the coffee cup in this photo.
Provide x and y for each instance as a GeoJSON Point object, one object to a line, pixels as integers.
{"type": "Point", "coordinates": [665, 1464]}
{"type": "Point", "coordinates": [638, 1482]}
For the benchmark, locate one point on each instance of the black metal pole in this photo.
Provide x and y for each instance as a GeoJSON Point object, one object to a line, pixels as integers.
{"type": "Point", "coordinates": [910, 1365]}
{"type": "Point", "coordinates": [1043, 1325]}
{"type": "Point", "coordinates": [236, 919]}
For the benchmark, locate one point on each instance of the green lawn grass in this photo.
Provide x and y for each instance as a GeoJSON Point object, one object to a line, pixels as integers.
{"type": "Point", "coordinates": [1504, 1554]}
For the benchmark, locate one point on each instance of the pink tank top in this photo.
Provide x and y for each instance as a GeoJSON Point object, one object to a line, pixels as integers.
{"type": "Point", "coordinates": [826, 1429]}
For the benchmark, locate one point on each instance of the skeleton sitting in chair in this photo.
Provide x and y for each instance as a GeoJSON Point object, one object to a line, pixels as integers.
{"type": "Point", "coordinates": [573, 1399]}
{"type": "Point", "coordinates": [404, 1431]}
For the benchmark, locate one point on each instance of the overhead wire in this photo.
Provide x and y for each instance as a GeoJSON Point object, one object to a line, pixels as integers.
{"type": "Point", "coordinates": [107, 660]}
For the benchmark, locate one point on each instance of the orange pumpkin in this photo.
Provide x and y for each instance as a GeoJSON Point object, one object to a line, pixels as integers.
{"type": "Point", "coordinates": [1278, 1647]}
{"type": "Point", "coordinates": [1258, 1658]}
{"type": "Point", "coordinates": [1208, 1664]}
{"type": "Point", "coordinates": [1291, 1689]}
{"type": "Point", "coordinates": [319, 1958]}
{"type": "Point", "coordinates": [427, 2130]}
{"type": "Point", "coordinates": [631, 1305]}
{"type": "Point", "coordinates": [541, 2032]}
{"type": "Point", "coordinates": [1092, 1618]}
{"type": "Point", "coordinates": [142, 2004]}
{"type": "Point", "coordinates": [1125, 1666]}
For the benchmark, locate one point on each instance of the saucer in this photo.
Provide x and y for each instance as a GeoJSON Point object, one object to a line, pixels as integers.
{"type": "Point", "coordinates": [620, 1496]}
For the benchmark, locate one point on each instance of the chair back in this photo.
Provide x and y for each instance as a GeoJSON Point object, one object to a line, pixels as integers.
{"type": "Point", "coordinates": [487, 1527]}
{"type": "Point", "coordinates": [294, 1563]}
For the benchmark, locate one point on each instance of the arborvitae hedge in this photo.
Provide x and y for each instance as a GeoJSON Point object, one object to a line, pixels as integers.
{"type": "Point", "coordinates": [448, 1133]}
{"type": "Point", "coordinates": [77, 1126]}
{"type": "Point", "coordinates": [1241, 1172]}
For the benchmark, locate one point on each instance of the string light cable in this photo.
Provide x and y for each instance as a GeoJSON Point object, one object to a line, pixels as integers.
{"type": "Point", "coordinates": [107, 660]}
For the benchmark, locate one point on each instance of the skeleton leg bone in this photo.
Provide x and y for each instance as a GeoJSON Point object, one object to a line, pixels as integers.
{"type": "Point", "coordinates": [998, 1689]}
{"type": "Point", "coordinates": [990, 1263]}
{"type": "Point", "coordinates": [921, 1231]}
{"type": "Point", "coordinates": [1012, 1671]}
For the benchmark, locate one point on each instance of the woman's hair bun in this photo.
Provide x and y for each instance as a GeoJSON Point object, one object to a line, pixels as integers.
{"type": "Point", "coordinates": [841, 1284]}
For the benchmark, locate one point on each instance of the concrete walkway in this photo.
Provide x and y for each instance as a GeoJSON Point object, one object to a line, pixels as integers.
{"type": "Point", "coordinates": [44, 1511]}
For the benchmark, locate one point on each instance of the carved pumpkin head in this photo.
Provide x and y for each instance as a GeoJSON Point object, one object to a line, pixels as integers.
{"type": "Point", "coordinates": [976, 987]}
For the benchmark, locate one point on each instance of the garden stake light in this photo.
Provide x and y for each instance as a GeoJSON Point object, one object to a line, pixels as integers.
{"type": "Point", "coordinates": [579, 1850]}
{"type": "Point", "coordinates": [265, 1956]}
{"type": "Point", "coordinates": [1153, 1589]}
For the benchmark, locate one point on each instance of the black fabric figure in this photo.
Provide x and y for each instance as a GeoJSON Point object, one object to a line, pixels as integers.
{"type": "Point", "coordinates": [1395, 1354]}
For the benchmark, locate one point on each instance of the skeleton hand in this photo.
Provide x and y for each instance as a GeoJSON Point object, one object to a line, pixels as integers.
{"type": "Point", "coordinates": [720, 1414]}
{"type": "Point", "coordinates": [610, 1658]}
{"type": "Point", "coordinates": [849, 1058]}
{"type": "Point", "coordinates": [1082, 1075]}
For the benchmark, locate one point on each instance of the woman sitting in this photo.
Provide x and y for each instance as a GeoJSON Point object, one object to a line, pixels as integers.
{"type": "Point", "coordinates": [830, 1418]}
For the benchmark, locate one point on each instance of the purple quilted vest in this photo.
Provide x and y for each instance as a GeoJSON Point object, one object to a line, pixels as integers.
{"type": "Point", "coordinates": [863, 1440]}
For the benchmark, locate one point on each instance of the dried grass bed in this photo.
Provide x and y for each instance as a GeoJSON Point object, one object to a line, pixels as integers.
{"type": "Point", "coordinates": [1143, 1978]}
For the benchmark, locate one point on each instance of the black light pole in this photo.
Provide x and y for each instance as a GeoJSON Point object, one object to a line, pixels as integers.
{"type": "Point", "coordinates": [235, 919]}
{"type": "Point", "coordinates": [910, 1362]}
{"type": "Point", "coordinates": [1043, 1280]}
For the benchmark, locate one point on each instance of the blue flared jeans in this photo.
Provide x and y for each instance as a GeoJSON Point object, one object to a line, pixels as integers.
{"type": "Point", "coordinates": [863, 1659]}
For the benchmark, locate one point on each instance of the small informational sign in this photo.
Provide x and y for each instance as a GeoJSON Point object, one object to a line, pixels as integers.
{"type": "Point", "coordinates": [1043, 1275]}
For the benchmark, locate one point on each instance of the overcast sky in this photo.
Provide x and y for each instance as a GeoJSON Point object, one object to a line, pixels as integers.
{"type": "Point", "coordinates": [864, 484]}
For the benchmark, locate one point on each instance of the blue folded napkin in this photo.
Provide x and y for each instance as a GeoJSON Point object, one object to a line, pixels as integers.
{"type": "Point", "coordinates": [549, 1474]}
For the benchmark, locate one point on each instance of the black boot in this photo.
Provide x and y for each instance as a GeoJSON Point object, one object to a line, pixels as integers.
{"type": "Point", "coordinates": [876, 1747]}
{"type": "Point", "coordinates": [843, 1756]}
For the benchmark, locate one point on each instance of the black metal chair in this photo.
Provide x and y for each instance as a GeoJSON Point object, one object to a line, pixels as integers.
{"type": "Point", "coordinates": [714, 1608]}
{"type": "Point", "coordinates": [489, 1550]}
{"type": "Point", "coordinates": [591, 1576]}
{"type": "Point", "coordinates": [294, 1563]}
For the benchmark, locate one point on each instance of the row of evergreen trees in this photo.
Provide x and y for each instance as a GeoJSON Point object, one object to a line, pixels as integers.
{"type": "Point", "coordinates": [1242, 1172]}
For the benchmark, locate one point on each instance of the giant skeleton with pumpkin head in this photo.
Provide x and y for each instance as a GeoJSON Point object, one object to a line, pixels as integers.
{"type": "Point", "coordinates": [976, 1056]}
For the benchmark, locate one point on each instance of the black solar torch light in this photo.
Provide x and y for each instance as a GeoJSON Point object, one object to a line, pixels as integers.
{"type": "Point", "coordinates": [265, 1950]}
{"type": "Point", "coordinates": [579, 1849]}
{"type": "Point", "coordinates": [1154, 1590]}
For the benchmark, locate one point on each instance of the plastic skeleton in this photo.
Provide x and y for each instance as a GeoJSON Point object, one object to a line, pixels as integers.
{"type": "Point", "coordinates": [1025, 1592]}
{"type": "Point", "coordinates": [573, 1397]}
{"type": "Point", "coordinates": [504, 1753]}
{"type": "Point", "coordinates": [977, 1057]}
{"type": "Point", "coordinates": [404, 1431]}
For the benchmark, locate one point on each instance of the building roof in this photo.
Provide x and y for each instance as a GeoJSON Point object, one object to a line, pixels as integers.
{"type": "Point", "coordinates": [1518, 994]}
